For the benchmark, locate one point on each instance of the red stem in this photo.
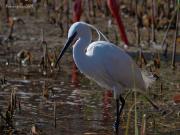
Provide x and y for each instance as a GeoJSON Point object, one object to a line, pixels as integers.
{"type": "Point", "coordinates": [77, 11]}
{"type": "Point", "coordinates": [114, 8]}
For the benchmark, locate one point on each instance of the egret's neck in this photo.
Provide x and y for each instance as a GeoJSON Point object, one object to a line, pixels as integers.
{"type": "Point", "coordinates": [79, 49]}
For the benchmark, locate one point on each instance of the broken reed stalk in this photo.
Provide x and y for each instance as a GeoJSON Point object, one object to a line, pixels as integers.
{"type": "Point", "coordinates": [149, 37]}
{"type": "Point", "coordinates": [3, 80]}
{"type": "Point", "coordinates": [46, 59]}
{"type": "Point", "coordinates": [54, 114]}
{"type": "Point", "coordinates": [44, 45]}
{"type": "Point", "coordinates": [60, 24]}
{"type": "Point", "coordinates": [67, 16]}
{"type": "Point", "coordinates": [9, 113]}
{"type": "Point", "coordinates": [1, 24]}
{"type": "Point", "coordinates": [47, 9]}
{"type": "Point", "coordinates": [175, 38]}
{"type": "Point", "coordinates": [154, 125]}
{"type": "Point", "coordinates": [60, 18]}
{"type": "Point", "coordinates": [106, 10]}
{"type": "Point", "coordinates": [6, 10]}
{"type": "Point", "coordinates": [143, 4]}
{"type": "Point", "coordinates": [19, 104]}
{"type": "Point", "coordinates": [89, 7]}
{"type": "Point", "coordinates": [94, 8]}
{"type": "Point", "coordinates": [143, 128]}
{"type": "Point", "coordinates": [7, 118]}
{"type": "Point", "coordinates": [116, 36]}
{"type": "Point", "coordinates": [153, 21]}
{"type": "Point", "coordinates": [2, 117]}
{"type": "Point", "coordinates": [56, 57]}
{"type": "Point", "coordinates": [141, 58]}
{"type": "Point", "coordinates": [168, 28]}
{"type": "Point", "coordinates": [131, 6]}
{"type": "Point", "coordinates": [53, 5]}
{"type": "Point", "coordinates": [11, 30]}
{"type": "Point", "coordinates": [165, 51]}
{"type": "Point", "coordinates": [137, 27]}
{"type": "Point", "coordinates": [45, 56]}
{"type": "Point", "coordinates": [13, 101]}
{"type": "Point", "coordinates": [168, 8]}
{"type": "Point", "coordinates": [161, 90]}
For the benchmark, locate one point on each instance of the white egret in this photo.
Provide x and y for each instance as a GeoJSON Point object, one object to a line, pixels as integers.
{"type": "Point", "coordinates": [106, 64]}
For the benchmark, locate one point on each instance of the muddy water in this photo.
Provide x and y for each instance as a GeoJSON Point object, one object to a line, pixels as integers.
{"type": "Point", "coordinates": [79, 110]}
{"type": "Point", "coordinates": [84, 108]}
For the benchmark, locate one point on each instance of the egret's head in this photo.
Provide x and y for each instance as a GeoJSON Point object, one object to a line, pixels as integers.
{"type": "Point", "coordinates": [81, 29]}
{"type": "Point", "coordinates": [76, 31]}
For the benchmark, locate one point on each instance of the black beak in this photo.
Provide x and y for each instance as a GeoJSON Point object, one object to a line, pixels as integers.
{"type": "Point", "coordinates": [68, 43]}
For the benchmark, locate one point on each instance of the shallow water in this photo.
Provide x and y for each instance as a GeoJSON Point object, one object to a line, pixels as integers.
{"type": "Point", "coordinates": [86, 108]}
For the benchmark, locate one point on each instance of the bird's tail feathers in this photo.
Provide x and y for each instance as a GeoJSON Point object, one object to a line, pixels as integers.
{"type": "Point", "coordinates": [148, 79]}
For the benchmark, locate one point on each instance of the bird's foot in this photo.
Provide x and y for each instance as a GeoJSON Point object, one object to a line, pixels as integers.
{"type": "Point", "coordinates": [116, 126]}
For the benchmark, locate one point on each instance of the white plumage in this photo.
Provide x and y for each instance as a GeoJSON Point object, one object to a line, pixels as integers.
{"type": "Point", "coordinates": [106, 64]}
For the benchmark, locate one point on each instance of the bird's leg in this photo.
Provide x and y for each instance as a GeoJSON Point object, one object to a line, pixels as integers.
{"type": "Point", "coordinates": [122, 104]}
{"type": "Point", "coordinates": [116, 124]}
{"type": "Point", "coordinates": [118, 112]}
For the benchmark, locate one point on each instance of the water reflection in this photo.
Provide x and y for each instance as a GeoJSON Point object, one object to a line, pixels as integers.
{"type": "Point", "coordinates": [84, 108]}
{"type": "Point", "coordinates": [107, 103]}
{"type": "Point", "coordinates": [74, 77]}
